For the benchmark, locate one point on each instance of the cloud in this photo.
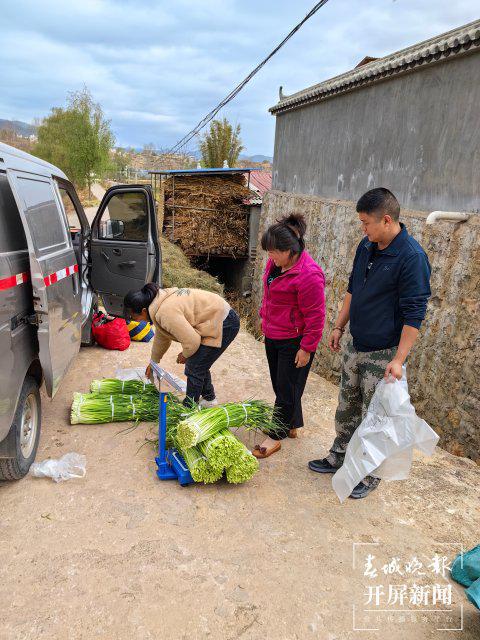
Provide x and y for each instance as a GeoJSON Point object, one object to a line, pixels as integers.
{"type": "Point", "coordinates": [158, 67]}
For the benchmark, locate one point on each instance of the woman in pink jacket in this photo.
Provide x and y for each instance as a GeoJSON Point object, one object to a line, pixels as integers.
{"type": "Point", "coordinates": [293, 315]}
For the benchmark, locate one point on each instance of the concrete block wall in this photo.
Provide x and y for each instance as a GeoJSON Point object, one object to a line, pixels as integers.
{"type": "Point", "coordinates": [418, 134]}
{"type": "Point", "coordinates": [443, 368]}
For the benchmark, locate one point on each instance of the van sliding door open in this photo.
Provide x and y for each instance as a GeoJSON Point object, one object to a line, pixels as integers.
{"type": "Point", "coordinates": [53, 272]}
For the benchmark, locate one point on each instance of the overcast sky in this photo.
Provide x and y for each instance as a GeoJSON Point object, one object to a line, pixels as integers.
{"type": "Point", "coordinates": [158, 67]}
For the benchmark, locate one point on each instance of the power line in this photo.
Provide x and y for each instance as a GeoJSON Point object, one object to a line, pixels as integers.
{"type": "Point", "coordinates": [186, 139]}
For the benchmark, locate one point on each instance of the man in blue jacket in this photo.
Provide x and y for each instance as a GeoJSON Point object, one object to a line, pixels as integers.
{"type": "Point", "coordinates": [386, 301]}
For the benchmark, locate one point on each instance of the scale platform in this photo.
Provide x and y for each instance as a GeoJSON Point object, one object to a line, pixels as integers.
{"type": "Point", "coordinates": [170, 464]}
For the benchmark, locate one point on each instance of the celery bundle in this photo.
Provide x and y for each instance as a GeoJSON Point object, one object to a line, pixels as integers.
{"type": "Point", "coordinates": [111, 386]}
{"type": "Point", "coordinates": [200, 426]}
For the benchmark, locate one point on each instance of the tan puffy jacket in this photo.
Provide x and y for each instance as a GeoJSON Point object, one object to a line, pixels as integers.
{"type": "Point", "coordinates": [188, 316]}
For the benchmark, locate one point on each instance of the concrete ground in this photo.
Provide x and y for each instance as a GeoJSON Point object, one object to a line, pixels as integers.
{"type": "Point", "coordinates": [122, 555]}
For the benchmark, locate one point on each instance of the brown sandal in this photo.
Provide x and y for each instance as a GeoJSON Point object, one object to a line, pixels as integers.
{"type": "Point", "coordinates": [293, 433]}
{"type": "Point", "coordinates": [262, 452]}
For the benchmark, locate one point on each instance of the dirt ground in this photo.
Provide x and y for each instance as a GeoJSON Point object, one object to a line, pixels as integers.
{"type": "Point", "coordinates": [122, 555]}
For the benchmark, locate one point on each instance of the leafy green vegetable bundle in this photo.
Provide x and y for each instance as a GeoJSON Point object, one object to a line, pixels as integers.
{"type": "Point", "coordinates": [201, 425]}
{"type": "Point", "coordinates": [111, 386]}
{"type": "Point", "coordinates": [202, 437]}
{"type": "Point", "coordinates": [97, 408]}
{"type": "Point", "coordinates": [243, 468]}
{"type": "Point", "coordinates": [221, 449]}
{"type": "Point", "coordinates": [200, 467]}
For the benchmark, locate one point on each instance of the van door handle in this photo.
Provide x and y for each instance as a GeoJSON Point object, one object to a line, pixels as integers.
{"type": "Point", "coordinates": [128, 263]}
{"type": "Point", "coordinates": [107, 258]}
{"type": "Point", "coordinates": [117, 252]}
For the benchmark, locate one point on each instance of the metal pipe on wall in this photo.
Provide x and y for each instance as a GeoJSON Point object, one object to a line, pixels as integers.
{"type": "Point", "coordinates": [454, 216]}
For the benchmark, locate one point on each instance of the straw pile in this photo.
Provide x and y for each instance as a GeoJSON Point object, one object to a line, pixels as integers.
{"type": "Point", "coordinates": [178, 272]}
{"type": "Point", "coordinates": [221, 232]}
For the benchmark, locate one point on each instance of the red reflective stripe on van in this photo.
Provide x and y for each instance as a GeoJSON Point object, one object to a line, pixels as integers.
{"type": "Point", "coordinates": [59, 275]}
{"type": "Point", "coordinates": [21, 278]}
{"type": "Point", "coordinates": [73, 269]}
{"type": "Point", "coordinates": [13, 281]}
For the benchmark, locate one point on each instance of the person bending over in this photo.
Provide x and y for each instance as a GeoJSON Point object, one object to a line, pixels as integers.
{"type": "Point", "coordinates": [202, 322]}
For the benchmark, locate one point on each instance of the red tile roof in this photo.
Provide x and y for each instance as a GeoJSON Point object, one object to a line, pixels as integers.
{"type": "Point", "coordinates": [261, 181]}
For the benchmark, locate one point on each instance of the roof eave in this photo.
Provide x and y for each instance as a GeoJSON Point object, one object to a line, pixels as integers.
{"type": "Point", "coordinates": [457, 42]}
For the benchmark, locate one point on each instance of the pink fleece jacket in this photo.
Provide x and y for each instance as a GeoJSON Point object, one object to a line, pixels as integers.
{"type": "Point", "coordinates": [294, 303]}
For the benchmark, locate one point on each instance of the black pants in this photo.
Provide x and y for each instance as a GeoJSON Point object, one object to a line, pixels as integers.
{"type": "Point", "coordinates": [288, 381]}
{"type": "Point", "coordinates": [197, 367]}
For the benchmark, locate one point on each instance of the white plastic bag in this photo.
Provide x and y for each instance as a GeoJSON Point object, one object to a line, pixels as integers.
{"type": "Point", "coordinates": [383, 443]}
{"type": "Point", "coordinates": [137, 373]}
{"type": "Point", "coordinates": [71, 465]}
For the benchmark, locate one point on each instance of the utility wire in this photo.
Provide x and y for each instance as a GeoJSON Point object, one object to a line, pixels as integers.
{"type": "Point", "coordinates": [186, 139]}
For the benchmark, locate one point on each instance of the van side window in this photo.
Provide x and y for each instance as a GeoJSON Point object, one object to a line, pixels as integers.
{"type": "Point", "coordinates": [125, 218]}
{"type": "Point", "coordinates": [74, 223]}
{"type": "Point", "coordinates": [12, 235]}
{"type": "Point", "coordinates": [45, 220]}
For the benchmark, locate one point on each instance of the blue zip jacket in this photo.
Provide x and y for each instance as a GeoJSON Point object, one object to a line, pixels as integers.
{"type": "Point", "coordinates": [393, 294]}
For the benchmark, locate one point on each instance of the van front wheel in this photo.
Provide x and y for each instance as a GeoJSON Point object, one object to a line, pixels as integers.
{"type": "Point", "coordinates": [25, 431]}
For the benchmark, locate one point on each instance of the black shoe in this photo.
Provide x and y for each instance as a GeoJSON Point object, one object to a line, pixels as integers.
{"type": "Point", "coordinates": [362, 490]}
{"type": "Point", "coordinates": [322, 466]}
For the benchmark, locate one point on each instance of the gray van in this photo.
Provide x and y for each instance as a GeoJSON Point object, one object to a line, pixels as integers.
{"type": "Point", "coordinates": [53, 268]}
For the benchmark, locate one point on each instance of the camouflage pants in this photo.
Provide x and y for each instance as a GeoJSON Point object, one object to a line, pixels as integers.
{"type": "Point", "coordinates": [360, 374]}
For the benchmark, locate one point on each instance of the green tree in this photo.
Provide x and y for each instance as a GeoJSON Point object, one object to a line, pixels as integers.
{"type": "Point", "coordinates": [222, 142]}
{"type": "Point", "coordinates": [77, 138]}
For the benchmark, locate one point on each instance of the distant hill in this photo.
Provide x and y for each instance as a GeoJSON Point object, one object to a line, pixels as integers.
{"type": "Point", "coordinates": [258, 158]}
{"type": "Point", "coordinates": [19, 127]}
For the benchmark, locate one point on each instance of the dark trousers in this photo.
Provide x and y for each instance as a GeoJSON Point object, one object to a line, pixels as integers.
{"type": "Point", "coordinates": [288, 381]}
{"type": "Point", "coordinates": [197, 367]}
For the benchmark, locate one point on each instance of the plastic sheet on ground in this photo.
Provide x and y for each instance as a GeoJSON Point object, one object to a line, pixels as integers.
{"type": "Point", "coordinates": [383, 444]}
{"type": "Point", "coordinates": [71, 465]}
{"type": "Point", "coordinates": [137, 373]}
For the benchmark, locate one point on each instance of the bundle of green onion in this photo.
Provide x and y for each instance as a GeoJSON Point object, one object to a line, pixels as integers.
{"type": "Point", "coordinates": [199, 466]}
{"type": "Point", "coordinates": [221, 449]}
{"type": "Point", "coordinates": [93, 408]}
{"type": "Point", "coordinates": [200, 426]}
{"type": "Point", "coordinates": [176, 410]}
{"type": "Point", "coordinates": [243, 468]}
{"type": "Point", "coordinates": [110, 386]}
{"type": "Point", "coordinates": [202, 437]}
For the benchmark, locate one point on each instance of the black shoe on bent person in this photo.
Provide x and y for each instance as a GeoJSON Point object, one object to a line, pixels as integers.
{"type": "Point", "coordinates": [322, 466]}
{"type": "Point", "coordinates": [363, 489]}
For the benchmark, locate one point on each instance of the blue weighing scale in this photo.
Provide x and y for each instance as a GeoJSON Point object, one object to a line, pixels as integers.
{"type": "Point", "coordinates": [170, 464]}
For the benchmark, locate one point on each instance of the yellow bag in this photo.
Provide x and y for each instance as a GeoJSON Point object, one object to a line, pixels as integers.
{"type": "Point", "coordinates": [140, 331]}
